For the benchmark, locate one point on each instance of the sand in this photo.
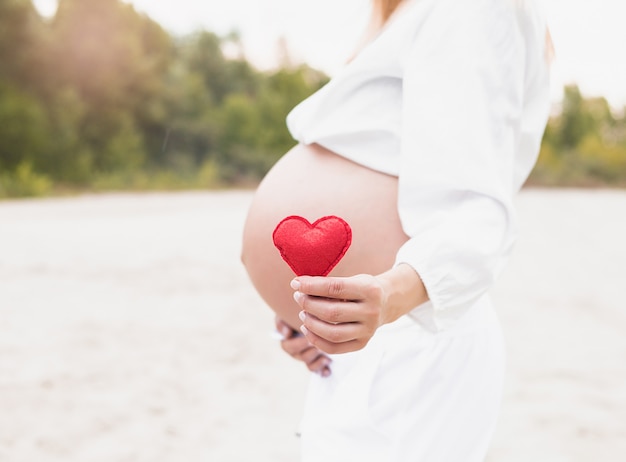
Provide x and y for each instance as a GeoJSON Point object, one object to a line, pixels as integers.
{"type": "Point", "coordinates": [129, 332]}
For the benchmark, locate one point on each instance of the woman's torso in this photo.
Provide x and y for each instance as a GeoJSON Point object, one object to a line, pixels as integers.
{"type": "Point", "coordinates": [360, 115]}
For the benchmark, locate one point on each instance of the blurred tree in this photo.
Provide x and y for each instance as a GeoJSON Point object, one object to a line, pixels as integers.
{"type": "Point", "coordinates": [101, 96]}
{"type": "Point", "coordinates": [252, 134]}
{"type": "Point", "coordinates": [575, 121]}
{"type": "Point", "coordinates": [584, 145]}
{"type": "Point", "coordinates": [24, 129]}
{"type": "Point", "coordinates": [203, 57]}
{"type": "Point", "coordinates": [207, 84]}
{"type": "Point", "coordinates": [116, 61]}
{"type": "Point", "coordinates": [21, 37]}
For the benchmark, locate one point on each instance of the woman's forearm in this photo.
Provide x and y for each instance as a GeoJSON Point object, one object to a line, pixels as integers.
{"type": "Point", "coordinates": [341, 314]}
{"type": "Point", "coordinates": [403, 289]}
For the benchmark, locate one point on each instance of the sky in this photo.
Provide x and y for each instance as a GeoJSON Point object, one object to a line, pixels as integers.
{"type": "Point", "coordinates": [589, 36]}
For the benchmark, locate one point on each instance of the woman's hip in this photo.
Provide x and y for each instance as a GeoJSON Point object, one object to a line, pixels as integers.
{"type": "Point", "coordinates": [410, 391]}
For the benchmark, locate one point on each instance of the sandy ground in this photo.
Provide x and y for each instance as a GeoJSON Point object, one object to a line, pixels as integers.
{"type": "Point", "coordinates": [129, 332]}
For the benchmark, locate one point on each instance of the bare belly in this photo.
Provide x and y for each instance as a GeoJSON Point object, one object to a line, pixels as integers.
{"type": "Point", "coordinates": [312, 182]}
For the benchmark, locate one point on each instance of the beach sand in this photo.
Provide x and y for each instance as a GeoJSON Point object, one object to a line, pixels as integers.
{"type": "Point", "coordinates": [129, 332]}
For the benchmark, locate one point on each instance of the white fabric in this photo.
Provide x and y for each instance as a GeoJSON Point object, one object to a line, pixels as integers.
{"type": "Point", "coordinates": [452, 97]}
{"type": "Point", "coordinates": [411, 395]}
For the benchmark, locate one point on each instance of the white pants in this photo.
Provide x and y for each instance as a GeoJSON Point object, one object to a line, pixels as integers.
{"type": "Point", "coordinates": [410, 396]}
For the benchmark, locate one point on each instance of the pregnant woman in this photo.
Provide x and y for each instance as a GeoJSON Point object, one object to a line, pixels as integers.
{"type": "Point", "coordinates": [420, 143]}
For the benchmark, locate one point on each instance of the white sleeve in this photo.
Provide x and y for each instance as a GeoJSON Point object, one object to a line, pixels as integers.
{"type": "Point", "coordinates": [462, 107]}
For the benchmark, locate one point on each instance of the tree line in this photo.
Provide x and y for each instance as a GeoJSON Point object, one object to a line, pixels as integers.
{"type": "Point", "coordinates": [100, 97]}
{"type": "Point", "coordinates": [584, 144]}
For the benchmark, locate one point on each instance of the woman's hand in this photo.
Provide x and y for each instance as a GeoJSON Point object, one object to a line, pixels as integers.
{"type": "Point", "coordinates": [298, 347]}
{"type": "Point", "coordinates": [341, 314]}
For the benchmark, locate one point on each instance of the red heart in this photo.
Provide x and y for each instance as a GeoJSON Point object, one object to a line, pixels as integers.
{"type": "Point", "coordinates": [312, 249]}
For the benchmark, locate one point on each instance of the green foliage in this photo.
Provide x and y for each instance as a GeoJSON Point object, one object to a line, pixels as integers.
{"type": "Point", "coordinates": [584, 145]}
{"type": "Point", "coordinates": [20, 39]}
{"type": "Point", "coordinates": [102, 98]}
{"type": "Point", "coordinates": [23, 128]}
{"type": "Point", "coordinates": [205, 177]}
{"type": "Point", "coordinates": [24, 182]}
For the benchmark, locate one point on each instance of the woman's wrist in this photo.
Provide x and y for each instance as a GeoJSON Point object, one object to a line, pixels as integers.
{"type": "Point", "coordinates": [403, 290]}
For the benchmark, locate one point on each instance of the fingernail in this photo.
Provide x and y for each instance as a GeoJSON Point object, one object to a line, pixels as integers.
{"type": "Point", "coordinates": [302, 316]}
{"type": "Point", "coordinates": [285, 331]}
{"type": "Point", "coordinates": [325, 372]}
{"type": "Point", "coordinates": [277, 336]}
{"type": "Point", "coordinates": [295, 284]}
{"type": "Point", "coordinates": [297, 296]}
{"type": "Point", "coordinates": [304, 330]}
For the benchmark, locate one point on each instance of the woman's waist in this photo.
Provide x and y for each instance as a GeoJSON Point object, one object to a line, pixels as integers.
{"type": "Point", "coordinates": [380, 154]}
{"type": "Point", "coordinates": [474, 318]}
{"type": "Point", "coordinates": [406, 338]}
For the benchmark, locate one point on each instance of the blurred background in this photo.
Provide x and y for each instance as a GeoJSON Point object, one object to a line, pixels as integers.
{"type": "Point", "coordinates": [97, 95]}
{"type": "Point", "coordinates": [128, 328]}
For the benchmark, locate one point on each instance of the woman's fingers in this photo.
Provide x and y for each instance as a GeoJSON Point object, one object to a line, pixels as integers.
{"type": "Point", "coordinates": [321, 365]}
{"type": "Point", "coordinates": [328, 309]}
{"type": "Point", "coordinates": [285, 329]}
{"type": "Point", "coordinates": [339, 314]}
{"type": "Point", "coordinates": [342, 288]}
{"type": "Point", "coordinates": [338, 300]}
{"type": "Point", "coordinates": [295, 345]}
{"type": "Point", "coordinates": [316, 361]}
{"type": "Point", "coordinates": [335, 333]}
{"type": "Point", "coordinates": [331, 347]}
{"type": "Point", "coordinates": [298, 347]}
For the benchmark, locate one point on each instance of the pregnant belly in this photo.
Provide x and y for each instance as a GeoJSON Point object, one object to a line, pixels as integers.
{"type": "Point", "coordinates": [312, 182]}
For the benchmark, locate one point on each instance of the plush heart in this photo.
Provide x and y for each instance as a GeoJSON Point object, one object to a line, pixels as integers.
{"type": "Point", "coordinates": [312, 249]}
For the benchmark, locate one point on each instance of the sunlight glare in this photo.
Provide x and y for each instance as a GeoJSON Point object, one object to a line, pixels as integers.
{"type": "Point", "coordinates": [46, 8]}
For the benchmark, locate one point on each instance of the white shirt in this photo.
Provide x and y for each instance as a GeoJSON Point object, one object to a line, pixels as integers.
{"type": "Point", "coordinates": [452, 96]}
